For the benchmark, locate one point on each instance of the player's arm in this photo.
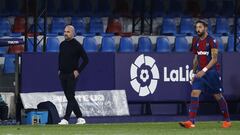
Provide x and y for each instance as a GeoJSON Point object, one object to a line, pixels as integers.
{"type": "Point", "coordinates": [213, 61]}
{"type": "Point", "coordinates": [195, 63]}
{"type": "Point", "coordinates": [195, 59]}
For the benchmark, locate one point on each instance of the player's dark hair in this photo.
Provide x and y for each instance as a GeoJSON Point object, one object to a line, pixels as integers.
{"type": "Point", "coordinates": [205, 24]}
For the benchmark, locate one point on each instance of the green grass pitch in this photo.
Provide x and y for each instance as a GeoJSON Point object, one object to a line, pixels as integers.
{"type": "Point", "coordinates": [158, 128]}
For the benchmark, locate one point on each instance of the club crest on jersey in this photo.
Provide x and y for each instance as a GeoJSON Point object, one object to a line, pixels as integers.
{"type": "Point", "coordinates": [214, 41]}
{"type": "Point", "coordinates": [203, 53]}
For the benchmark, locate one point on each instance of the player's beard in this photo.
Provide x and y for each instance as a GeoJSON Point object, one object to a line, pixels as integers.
{"type": "Point", "coordinates": [201, 34]}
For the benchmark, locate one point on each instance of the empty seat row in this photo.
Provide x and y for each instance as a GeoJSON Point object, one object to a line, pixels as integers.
{"type": "Point", "coordinates": [145, 45]}
{"type": "Point", "coordinates": [52, 45]}
{"type": "Point", "coordinates": [96, 26]}
{"type": "Point", "coordinates": [126, 44]}
{"type": "Point", "coordinates": [169, 26]}
{"type": "Point", "coordinates": [108, 45]}
{"type": "Point", "coordinates": [57, 26]}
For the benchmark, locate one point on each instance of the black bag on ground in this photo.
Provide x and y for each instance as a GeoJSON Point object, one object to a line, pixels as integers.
{"type": "Point", "coordinates": [3, 111]}
{"type": "Point", "coordinates": [53, 116]}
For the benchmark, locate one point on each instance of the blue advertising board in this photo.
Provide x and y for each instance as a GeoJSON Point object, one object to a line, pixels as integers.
{"type": "Point", "coordinates": [39, 72]}
{"type": "Point", "coordinates": [152, 77]}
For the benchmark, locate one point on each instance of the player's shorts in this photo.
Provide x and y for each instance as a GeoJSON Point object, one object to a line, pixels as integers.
{"type": "Point", "coordinates": [210, 83]}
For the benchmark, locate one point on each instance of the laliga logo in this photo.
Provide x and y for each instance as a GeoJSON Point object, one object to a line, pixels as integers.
{"type": "Point", "coordinates": [144, 75]}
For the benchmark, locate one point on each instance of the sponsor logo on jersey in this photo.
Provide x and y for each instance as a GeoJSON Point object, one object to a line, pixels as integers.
{"type": "Point", "coordinates": [206, 53]}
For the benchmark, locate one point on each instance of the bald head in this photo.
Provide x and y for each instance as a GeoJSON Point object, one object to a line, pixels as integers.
{"type": "Point", "coordinates": [69, 32]}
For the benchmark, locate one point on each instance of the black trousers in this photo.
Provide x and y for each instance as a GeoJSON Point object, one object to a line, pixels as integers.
{"type": "Point", "coordinates": [68, 82]}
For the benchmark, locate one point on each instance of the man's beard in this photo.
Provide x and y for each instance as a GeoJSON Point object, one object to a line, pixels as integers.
{"type": "Point", "coordinates": [201, 34]}
{"type": "Point", "coordinates": [66, 37]}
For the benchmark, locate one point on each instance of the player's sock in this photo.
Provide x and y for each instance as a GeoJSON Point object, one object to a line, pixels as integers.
{"type": "Point", "coordinates": [193, 108]}
{"type": "Point", "coordinates": [224, 108]}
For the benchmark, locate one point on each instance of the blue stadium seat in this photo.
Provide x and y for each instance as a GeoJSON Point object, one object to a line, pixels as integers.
{"type": "Point", "coordinates": [96, 26]}
{"type": "Point", "coordinates": [9, 63]}
{"type": "Point", "coordinates": [30, 44]}
{"type": "Point", "coordinates": [58, 20]}
{"type": "Point", "coordinates": [107, 34]}
{"type": "Point", "coordinates": [222, 26]}
{"type": "Point", "coordinates": [76, 19]}
{"type": "Point", "coordinates": [90, 44]}
{"type": "Point", "coordinates": [79, 25]}
{"type": "Point", "coordinates": [210, 29]}
{"type": "Point", "coordinates": [144, 44]}
{"type": "Point", "coordinates": [57, 29]}
{"type": "Point", "coordinates": [221, 47]}
{"type": "Point", "coordinates": [3, 50]}
{"type": "Point", "coordinates": [169, 26]}
{"type": "Point", "coordinates": [163, 45]}
{"type": "Point", "coordinates": [108, 44]}
{"type": "Point", "coordinates": [230, 44]}
{"type": "Point", "coordinates": [5, 27]}
{"type": "Point", "coordinates": [181, 44]}
{"type": "Point", "coordinates": [52, 44]}
{"type": "Point", "coordinates": [126, 45]}
{"type": "Point", "coordinates": [58, 25]}
{"type": "Point", "coordinates": [40, 27]}
{"type": "Point", "coordinates": [187, 26]}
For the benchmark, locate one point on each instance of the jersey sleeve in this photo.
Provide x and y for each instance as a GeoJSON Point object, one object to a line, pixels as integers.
{"type": "Point", "coordinates": [213, 43]}
{"type": "Point", "coordinates": [193, 47]}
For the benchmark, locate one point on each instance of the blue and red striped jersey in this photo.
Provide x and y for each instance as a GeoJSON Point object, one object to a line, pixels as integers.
{"type": "Point", "coordinates": [202, 48]}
